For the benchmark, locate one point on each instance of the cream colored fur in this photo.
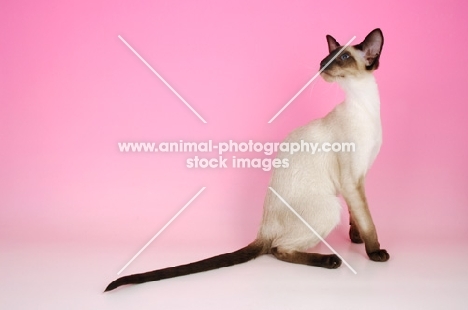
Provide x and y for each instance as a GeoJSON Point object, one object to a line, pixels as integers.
{"type": "Point", "coordinates": [312, 183]}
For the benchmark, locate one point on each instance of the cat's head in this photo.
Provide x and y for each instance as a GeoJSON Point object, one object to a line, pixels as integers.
{"type": "Point", "coordinates": [354, 61]}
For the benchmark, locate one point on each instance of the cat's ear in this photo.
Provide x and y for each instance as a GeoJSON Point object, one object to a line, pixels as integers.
{"type": "Point", "coordinates": [372, 47]}
{"type": "Point", "coordinates": [332, 43]}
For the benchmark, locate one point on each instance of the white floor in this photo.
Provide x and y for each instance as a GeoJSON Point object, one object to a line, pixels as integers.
{"type": "Point", "coordinates": [420, 275]}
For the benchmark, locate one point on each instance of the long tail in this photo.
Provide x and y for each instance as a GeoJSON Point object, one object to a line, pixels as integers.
{"type": "Point", "coordinates": [243, 255]}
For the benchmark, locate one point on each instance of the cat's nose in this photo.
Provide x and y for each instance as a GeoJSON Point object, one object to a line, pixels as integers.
{"type": "Point", "coordinates": [323, 63]}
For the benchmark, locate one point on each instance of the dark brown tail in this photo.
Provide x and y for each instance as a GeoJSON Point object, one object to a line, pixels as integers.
{"type": "Point", "coordinates": [243, 255]}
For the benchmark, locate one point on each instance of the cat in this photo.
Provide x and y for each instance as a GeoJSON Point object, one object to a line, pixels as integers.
{"type": "Point", "coordinates": [312, 183]}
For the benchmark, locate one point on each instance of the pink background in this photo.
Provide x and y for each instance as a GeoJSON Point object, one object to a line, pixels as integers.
{"type": "Point", "coordinates": [70, 90]}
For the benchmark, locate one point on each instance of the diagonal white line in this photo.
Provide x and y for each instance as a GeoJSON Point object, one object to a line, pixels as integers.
{"type": "Point", "coordinates": [311, 80]}
{"type": "Point", "coordinates": [161, 230]}
{"type": "Point", "coordinates": [313, 230]}
{"type": "Point", "coordinates": [162, 79]}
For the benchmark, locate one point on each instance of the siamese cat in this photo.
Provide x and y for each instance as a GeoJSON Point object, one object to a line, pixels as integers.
{"type": "Point", "coordinates": [312, 183]}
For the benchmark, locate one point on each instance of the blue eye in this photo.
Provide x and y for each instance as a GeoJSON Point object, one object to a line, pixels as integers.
{"type": "Point", "coordinates": [344, 56]}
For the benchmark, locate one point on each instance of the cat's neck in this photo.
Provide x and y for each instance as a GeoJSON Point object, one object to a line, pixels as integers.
{"type": "Point", "coordinates": [362, 93]}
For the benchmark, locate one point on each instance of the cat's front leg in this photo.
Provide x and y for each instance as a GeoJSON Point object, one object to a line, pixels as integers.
{"type": "Point", "coordinates": [354, 234]}
{"type": "Point", "coordinates": [355, 198]}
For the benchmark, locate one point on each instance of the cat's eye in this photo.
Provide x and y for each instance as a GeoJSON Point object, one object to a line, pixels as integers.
{"type": "Point", "coordinates": [344, 56]}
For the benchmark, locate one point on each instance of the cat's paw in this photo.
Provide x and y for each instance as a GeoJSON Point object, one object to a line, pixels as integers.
{"type": "Point", "coordinates": [330, 261]}
{"type": "Point", "coordinates": [354, 235]}
{"type": "Point", "coordinates": [379, 256]}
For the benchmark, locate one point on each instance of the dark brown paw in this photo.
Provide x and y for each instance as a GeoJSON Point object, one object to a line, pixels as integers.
{"type": "Point", "coordinates": [331, 261]}
{"type": "Point", "coordinates": [379, 256]}
{"type": "Point", "coordinates": [354, 235]}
